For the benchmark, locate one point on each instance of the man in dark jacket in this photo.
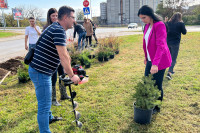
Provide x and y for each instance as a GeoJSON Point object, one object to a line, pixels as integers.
{"type": "Point", "coordinates": [82, 34]}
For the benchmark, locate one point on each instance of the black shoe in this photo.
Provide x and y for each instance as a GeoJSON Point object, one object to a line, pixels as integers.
{"type": "Point", "coordinates": [156, 110]}
{"type": "Point", "coordinates": [55, 118]}
{"type": "Point", "coordinates": [172, 73]}
{"type": "Point", "coordinates": [169, 77]}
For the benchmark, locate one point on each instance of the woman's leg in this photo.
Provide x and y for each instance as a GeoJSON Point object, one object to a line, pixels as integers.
{"type": "Point", "coordinates": [63, 93]}
{"type": "Point", "coordinates": [174, 49]}
{"type": "Point", "coordinates": [83, 40]}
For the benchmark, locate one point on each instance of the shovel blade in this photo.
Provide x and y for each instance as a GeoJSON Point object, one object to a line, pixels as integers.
{"type": "Point", "coordinates": [78, 115]}
{"type": "Point", "coordinates": [75, 105]}
{"type": "Point", "coordinates": [79, 124]}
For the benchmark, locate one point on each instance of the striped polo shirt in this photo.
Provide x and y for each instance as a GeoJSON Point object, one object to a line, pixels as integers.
{"type": "Point", "coordinates": [46, 58]}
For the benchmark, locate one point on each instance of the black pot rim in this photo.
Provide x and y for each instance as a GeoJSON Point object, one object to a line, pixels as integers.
{"type": "Point", "coordinates": [141, 108]}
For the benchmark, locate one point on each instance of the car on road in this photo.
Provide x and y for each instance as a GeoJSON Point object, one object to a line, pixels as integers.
{"type": "Point", "coordinates": [132, 25]}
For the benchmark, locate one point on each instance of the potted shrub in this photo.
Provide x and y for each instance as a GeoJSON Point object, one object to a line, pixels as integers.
{"type": "Point", "coordinates": [100, 55]}
{"type": "Point", "coordinates": [22, 74]}
{"type": "Point", "coordinates": [146, 96]}
{"type": "Point", "coordinates": [74, 54]}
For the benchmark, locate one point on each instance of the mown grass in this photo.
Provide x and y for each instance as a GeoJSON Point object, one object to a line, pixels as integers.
{"type": "Point", "coordinates": [8, 34]}
{"type": "Point", "coordinates": [106, 102]}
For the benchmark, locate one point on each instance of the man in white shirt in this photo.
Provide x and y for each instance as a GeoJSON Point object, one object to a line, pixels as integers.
{"type": "Point", "coordinates": [32, 33]}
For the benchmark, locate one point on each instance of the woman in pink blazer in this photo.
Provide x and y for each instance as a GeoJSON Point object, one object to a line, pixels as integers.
{"type": "Point", "coordinates": [157, 54]}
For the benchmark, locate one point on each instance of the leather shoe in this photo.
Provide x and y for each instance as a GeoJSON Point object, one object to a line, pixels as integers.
{"type": "Point", "coordinates": [55, 118]}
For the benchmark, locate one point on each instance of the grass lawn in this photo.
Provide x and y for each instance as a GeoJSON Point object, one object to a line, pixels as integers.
{"type": "Point", "coordinates": [8, 34]}
{"type": "Point", "coordinates": [106, 102]}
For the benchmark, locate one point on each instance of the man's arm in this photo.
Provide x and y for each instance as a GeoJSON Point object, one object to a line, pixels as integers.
{"type": "Point", "coordinates": [26, 39]}
{"type": "Point", "coordinates": [38, 32]}
{"type": "Point", "coordinates": [66, 63]}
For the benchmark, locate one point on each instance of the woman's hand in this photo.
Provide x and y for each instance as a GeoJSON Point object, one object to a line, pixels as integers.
{"type": "Point", "coordinates": [154, 69]}
{"type": "Point", "coordinates": [145, 61]}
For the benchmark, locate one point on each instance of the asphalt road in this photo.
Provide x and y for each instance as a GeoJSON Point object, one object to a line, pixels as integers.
{"type": "Point", "coordinates": [14, 46]}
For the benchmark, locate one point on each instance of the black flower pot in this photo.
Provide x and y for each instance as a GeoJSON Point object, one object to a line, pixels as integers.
{"type": "Point", "coordinates": [22, 80]}
{"type": "Point", "coordinates": [142, 116]}
{"type": "Point", "coordinates": [117, 52]}
{"type": "Point", "coordinates": [100, 59]}
{"type": "Point", "coordinates": [87, 66]}
{"type": "Point", "coordinates": [112, 56]}
{"type": "Point", "coordinates": [91, 56]}
{"type": "Point", "coordinates": [105, 58]}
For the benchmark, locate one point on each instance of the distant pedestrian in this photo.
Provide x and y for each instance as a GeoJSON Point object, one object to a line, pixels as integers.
{"type": "Point", "coordinates": [82, 34]}
{"type": "Point", "coordinates": [157, 55]}
{"type": "Point", "coordinates": [49, 53]}
{"type": "Point", "coordinates": [89, 29]}
{"type": "Point", "coordinates": [94, 26]}
{"type": "Point", "coordinates": [175, 28]}
{"type": "Point", "coordinates": [32, 33]}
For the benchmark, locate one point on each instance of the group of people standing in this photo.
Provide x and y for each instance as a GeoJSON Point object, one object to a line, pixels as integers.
{"type": "Point", "coordinates": [85, 31]}
{"type": "Point", "coordinates": [161, 43]}
{"type": "Point", "coordinates": [160, 46]}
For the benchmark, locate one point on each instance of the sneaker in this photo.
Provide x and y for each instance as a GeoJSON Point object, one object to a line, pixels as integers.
{"type": "Point", "coordinates": [169, 77]}
{"type": "Point", "coordinates": [55, 118]}
{"type": "Point", "coordinates": [172, 73]}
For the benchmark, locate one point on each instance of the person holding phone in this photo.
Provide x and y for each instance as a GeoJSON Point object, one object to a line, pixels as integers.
{"type": "Point", "coordinates": [32, 33]}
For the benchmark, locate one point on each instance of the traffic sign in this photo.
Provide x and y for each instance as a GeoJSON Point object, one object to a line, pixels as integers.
{"type": "Point", "coordinates": [85, 3]}
{"type": "Point", "coordinates": [86, 10]}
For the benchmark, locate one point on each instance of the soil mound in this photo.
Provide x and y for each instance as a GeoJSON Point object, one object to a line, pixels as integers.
{"type": "Point", "coordinates": [11, 65]}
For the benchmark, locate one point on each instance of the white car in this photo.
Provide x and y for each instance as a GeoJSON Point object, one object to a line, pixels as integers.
{"type": "Point", "coordinates": [132, 25]}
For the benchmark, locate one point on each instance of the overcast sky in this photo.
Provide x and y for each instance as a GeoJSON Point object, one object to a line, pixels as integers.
{"type": "Point", "coordinates": [46, 4]}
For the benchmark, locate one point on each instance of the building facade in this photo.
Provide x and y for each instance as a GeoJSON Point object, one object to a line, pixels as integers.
{"type": "Point", "coordinates": [124, 11]}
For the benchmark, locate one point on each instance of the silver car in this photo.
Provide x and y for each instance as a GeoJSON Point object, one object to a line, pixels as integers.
{"type": "Point", "coordinates": [132, 25]}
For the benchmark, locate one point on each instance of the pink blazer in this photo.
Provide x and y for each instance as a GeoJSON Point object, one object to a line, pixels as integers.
{"type": "Point", "coordinates": [157, 46]}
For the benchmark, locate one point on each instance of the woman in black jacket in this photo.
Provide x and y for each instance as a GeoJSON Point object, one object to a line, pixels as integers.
{"type": "Point", "coordinates": [175, 28]}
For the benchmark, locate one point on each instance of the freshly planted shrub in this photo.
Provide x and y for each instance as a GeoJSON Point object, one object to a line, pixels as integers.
{"type": "Point", "coordinates": [147, 93]}
{"type": "Point", "coordinates": [22, 73]}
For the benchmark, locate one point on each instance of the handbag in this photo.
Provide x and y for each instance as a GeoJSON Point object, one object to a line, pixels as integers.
{"type": "Point", "coordinates": [29, 56]}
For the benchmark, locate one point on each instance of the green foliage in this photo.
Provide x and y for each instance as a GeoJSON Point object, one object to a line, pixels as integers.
{"type": "Point", "coordinates": [146, 93]}
{"type": "Point", "coordinates": [83, 57]}
{"type": "Point", "coordinates": [7, 34]}
{"type": "Point", "coordinates": [22, 73]}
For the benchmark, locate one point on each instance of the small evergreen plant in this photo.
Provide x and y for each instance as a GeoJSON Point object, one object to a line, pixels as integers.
{"type": "Point", "coordinates": [147, 93]}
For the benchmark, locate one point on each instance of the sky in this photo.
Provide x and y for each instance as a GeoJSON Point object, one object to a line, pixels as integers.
{"type": "Point", "coordinates": [46, 4]}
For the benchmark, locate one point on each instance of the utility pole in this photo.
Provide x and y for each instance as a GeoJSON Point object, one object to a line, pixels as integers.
{"type": "Point", "coordinates": [121, 11]}
{"type": "Point", "coordinates": [91, 9]}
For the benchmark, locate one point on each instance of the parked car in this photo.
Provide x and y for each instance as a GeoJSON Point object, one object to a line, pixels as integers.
{"type": "Point", "coordinates": [132, 25]}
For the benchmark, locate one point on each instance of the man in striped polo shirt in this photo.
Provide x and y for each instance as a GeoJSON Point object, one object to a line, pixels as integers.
{"type": "Point", "coordinates": [50, 51]}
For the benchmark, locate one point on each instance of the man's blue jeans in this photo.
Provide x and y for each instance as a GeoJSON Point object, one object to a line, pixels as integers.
{"type": "Point", "coordinates": [31, 46]}
{"type": "Point", "coordinates": [43, 90]}
{"type": "Point", "coordinates": [81, 37]}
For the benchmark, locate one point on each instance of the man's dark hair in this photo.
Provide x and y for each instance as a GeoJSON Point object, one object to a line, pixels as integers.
{"type": "Point", "coordinates": [31, 18]}
{"type": "Point", "coordinates": [63, 11]}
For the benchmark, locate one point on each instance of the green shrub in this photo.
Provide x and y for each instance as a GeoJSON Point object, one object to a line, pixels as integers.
{"type": "Point", "coordinates": [146, 93]}
{"type": "Point", "coordinates": [22, 73]}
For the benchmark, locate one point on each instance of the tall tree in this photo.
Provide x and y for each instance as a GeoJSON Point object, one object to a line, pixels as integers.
{"type": "Point", "coordinates": [79, 14]}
